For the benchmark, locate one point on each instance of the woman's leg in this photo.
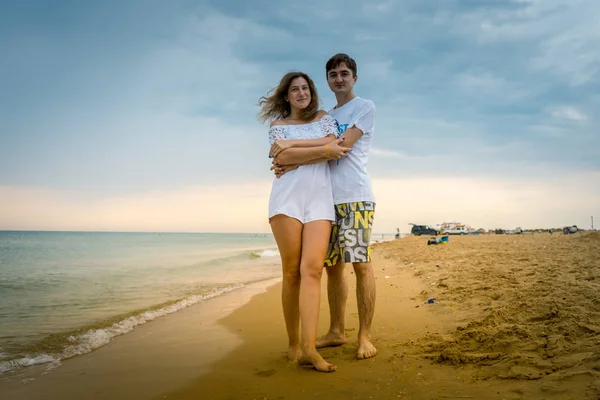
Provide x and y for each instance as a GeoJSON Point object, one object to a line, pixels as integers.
{"type": "Point", "coordinates": [288, 235]}
{"type": "Point", "coordinates": [315, 240]}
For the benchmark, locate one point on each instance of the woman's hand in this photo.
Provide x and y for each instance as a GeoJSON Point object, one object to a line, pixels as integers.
{"type": "Point", "coordinates": [279, 146]}
{"type": "Point", "coordinates": [335, 151]}
{"type": "Point", "coordinates": [279, 170]}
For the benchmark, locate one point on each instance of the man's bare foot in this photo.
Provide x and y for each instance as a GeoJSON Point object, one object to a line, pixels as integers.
{"type": "Point", "coordinates": [331, 340]}
{"type": "Point", "coordinates": [294, 353]}
{"type": "Point", "coordinates": [365, 349]}
{"type": "Point", "coordinates": [314, 358]}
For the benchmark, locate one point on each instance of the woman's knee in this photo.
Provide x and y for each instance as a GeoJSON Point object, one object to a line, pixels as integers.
{"type": "Point", "coordinates": [311, 268]}
{"type": "Point", "coordinates": [291, 269]}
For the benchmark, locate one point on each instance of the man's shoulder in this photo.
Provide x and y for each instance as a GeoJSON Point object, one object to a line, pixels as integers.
{"type": "Point", "coordinates": [366, 103]}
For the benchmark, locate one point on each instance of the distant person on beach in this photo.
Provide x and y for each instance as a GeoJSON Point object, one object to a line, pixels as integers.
{"type": "Point", "coordinates": [301, 206]}
{"type": "Point", "coordinates": [397, 236]}
{"type": "Point", "coordinates": [354, 206]}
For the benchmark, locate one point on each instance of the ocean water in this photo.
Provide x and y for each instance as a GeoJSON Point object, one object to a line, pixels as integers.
{"type": "Point", "coordinates": [64, 294]}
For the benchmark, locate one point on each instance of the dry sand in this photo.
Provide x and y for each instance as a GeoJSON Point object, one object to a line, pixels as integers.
{"type": "Point", "coordinates": [515, 317]}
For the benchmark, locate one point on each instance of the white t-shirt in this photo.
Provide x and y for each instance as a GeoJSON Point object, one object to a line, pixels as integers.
{"type": "Point", "coordinates": [349, 177]}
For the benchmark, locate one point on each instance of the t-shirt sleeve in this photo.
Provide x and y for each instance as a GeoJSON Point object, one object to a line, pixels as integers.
{"type": "Point", "coordinates": [330, 126]}
{"type": "Point", "coordinates": [364, 119]}
{"type": "Point", "coordinates": [276, 133]}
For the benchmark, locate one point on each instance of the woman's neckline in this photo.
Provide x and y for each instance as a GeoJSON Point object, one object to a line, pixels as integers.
{"type": "Point", "coordinates": [306, 123]}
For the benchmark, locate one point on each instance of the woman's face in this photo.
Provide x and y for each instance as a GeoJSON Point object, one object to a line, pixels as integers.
{"type": "Point", "coordinates": [299, 93]}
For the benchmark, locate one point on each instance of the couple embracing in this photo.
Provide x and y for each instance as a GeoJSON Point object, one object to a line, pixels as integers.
{"type": "Point", "coordinates": [322, 206]}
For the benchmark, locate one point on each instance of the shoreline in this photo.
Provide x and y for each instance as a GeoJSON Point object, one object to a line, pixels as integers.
{"type": "Point", "coordinates": [155, 357]}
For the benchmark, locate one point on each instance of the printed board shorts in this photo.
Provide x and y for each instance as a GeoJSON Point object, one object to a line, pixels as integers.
{"type": "Point", "coordinates": [351, 233]}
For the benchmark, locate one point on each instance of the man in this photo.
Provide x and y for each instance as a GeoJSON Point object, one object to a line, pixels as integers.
{"type": "Point", "coordinates": [354, 206]}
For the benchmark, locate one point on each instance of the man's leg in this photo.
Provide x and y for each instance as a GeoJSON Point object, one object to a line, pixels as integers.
{"type": "Point", "coordinates": [365, 298]}
{"type": "Point", "coordinates": [360, 254]}
{"type": "Point", "coordinates": [337, 294]}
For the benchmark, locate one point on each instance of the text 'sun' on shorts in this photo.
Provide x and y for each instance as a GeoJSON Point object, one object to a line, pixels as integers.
{"type": "Point", "coordinates": [351, 233]}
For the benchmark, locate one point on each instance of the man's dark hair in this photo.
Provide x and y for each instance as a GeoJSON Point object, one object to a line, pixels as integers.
{"type": "Point", "coordinates": [339, 58]}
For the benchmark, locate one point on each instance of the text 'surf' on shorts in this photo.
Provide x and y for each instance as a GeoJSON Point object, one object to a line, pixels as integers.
{"type": "Point", "coordinates": [351, 233]}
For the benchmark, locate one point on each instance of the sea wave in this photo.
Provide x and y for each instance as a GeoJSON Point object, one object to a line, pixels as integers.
{"type": "Point", "coordinates": [97, 337]}
{"type": "Point", "coordinates": [264, 253]}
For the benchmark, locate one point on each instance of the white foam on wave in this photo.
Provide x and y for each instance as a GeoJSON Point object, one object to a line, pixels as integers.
{"type": "Point", "coordinates": [6, 366]}
{"type": "Point", "coordinates": [267, 253]}
{"type": "Point", "coordinates": [95, 338]}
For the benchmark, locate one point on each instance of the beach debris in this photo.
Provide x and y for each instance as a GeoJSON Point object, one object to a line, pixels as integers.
{"type": "Point", "coordinates": [387, 276]}
{"type": "Point", "coordinates": [431, 301]}
{"type": "Point", "coordinates": [435, 240]}
{"type": "Point", "coordinates": [433, 283]}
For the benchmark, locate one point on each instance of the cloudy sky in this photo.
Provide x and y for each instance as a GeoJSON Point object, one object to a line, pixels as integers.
{"type": "Point", "coordinates": [141, 115]}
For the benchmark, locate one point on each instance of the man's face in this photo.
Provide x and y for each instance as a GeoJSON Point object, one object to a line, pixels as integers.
{"type": "Point", "coordinates": [340, 79]}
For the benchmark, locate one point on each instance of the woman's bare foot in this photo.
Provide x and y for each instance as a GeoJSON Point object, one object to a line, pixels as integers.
{"type": "Point", "coordinates": [294, 353]}
{"type": "Point", "coordinates": [314, 358]}
{"type": "Point", "coordinates": [331, 340]}
{"type": "Point", "coordinates": [365, 348]}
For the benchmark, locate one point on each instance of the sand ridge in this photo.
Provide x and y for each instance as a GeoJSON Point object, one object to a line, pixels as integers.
{"type": "Point", "coordinates": [527, 306]}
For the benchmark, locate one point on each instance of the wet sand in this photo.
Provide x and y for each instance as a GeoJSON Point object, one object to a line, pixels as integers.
{"type": "Point", "coordinates": [162, 355]}
{"type": "Point", "coordinates": [514, 317]}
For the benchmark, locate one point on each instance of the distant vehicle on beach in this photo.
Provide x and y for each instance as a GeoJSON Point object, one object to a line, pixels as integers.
{"type": "Point", "coordinates": [459, 230]}
{"type": "Point", "coordinates": [419, 230]}
{"type": "Point", "coordinates": [516, 231]}
{"type": "Point", "coordinates": [567, 230]}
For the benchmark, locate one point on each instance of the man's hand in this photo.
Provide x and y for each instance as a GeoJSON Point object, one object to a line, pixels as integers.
{"type": "Point", "coordinates": [279, 146]}
{"type": "Point", "coordinates": [336, 151]}
{"type": "Point", "coordinates": [279, 170]}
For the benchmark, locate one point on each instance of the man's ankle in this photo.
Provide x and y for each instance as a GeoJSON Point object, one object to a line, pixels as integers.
{"type": "Point", "coordinates": [341, 332]}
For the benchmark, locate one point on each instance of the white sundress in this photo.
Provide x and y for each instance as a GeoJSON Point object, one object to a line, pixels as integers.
{"type": "Point", "coordinates": [304, 193]}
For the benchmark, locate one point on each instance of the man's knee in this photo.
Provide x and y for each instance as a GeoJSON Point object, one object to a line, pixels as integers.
{"type": "Point", "coordinates": [363, 269]}
{"type": "Point", "coordinates": [335, 271]}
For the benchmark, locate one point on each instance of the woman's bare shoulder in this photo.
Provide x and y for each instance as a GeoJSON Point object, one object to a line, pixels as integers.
{"type": "Point", "coordinates": [277, 122]}
{"type": "Point", "coordinates": [320, 114]}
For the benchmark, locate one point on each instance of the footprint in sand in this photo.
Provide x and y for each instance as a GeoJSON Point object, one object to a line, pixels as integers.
{"type": "Point", "coordinates": [265, 374]}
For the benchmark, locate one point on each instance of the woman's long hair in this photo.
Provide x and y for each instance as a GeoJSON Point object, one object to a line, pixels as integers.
{"type": "Point", "coordinates": [273, 105]}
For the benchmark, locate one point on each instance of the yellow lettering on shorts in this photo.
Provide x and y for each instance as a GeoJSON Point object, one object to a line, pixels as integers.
{"type": "Point", "coordinates": [361, 220]}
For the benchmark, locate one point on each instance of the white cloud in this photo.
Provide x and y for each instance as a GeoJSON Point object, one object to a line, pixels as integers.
{"type": "Point", "coordinates": [379, 152]}
{"type": "Point", "coordinates": [569, 113]}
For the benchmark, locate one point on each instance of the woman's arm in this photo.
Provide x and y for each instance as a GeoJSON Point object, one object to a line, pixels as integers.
{"type": "Point", "coordinates": [303, 155]}
{"type": "Point", "coordinates": [281, 145]}
{"type": "Point", "coordinates": [327, 124]}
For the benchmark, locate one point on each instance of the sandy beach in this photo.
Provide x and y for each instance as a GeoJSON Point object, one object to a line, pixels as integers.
{"type": "Point", "coordinates": [512, 317]}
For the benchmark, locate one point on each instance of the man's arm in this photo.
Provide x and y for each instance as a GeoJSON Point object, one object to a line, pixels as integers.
{"type": "Point", "coordinates": [351, 136]}
{"type": "Point", "coordinates": [363, 123]}
{"type": "Point", "coordinates": [291, 155]}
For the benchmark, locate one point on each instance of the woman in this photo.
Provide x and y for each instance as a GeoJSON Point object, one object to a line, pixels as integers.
{"type": "Point", "coordinates": [301, 206]}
